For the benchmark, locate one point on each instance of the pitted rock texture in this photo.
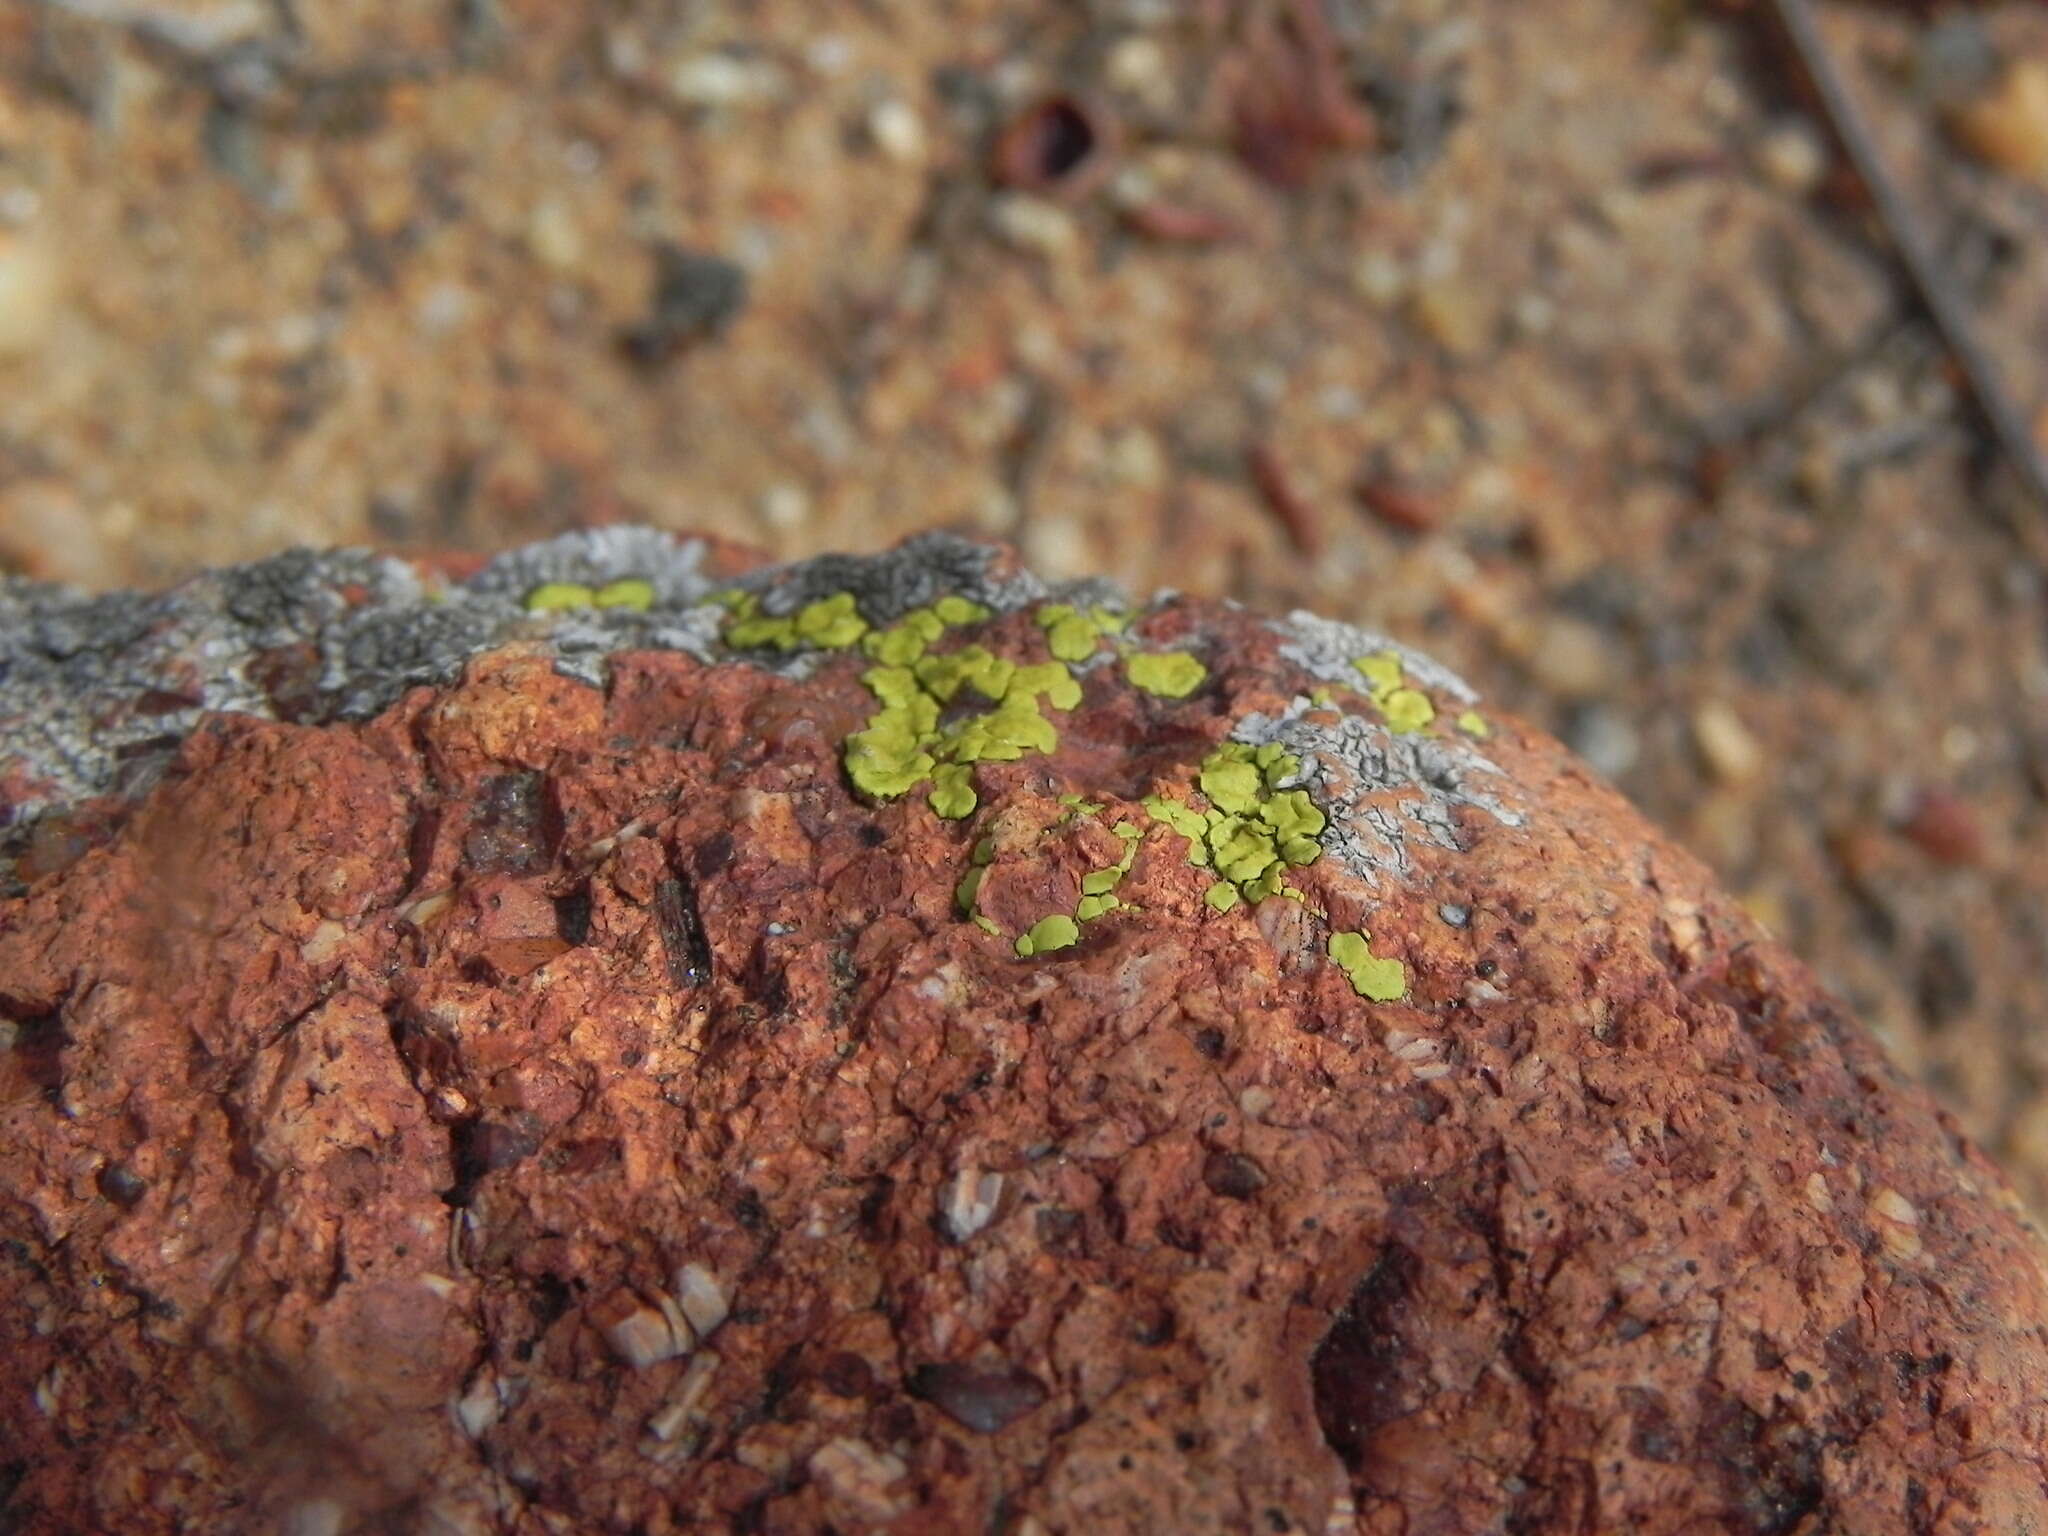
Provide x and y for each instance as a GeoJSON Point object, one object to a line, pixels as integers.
{"type": "Point", "coordinates": [536, 1091]}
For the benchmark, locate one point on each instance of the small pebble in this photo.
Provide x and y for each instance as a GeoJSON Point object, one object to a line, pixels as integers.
{"type": "Point", "coordinates": [1605, 739]}
{"type": "Point", "coordinates": [2008, 127]}
{"type": "Point", "coordinates": [47, 532]}
{"type": "Point", "coordinates": [1379, 279]}
{"type": "Point", "coordinates": [1818, 474]}
{"type": "Point", "coordinates": [1057, 546]}
{"type": "Point", "coordinates": [1137, 64]}
{"type": "Point", "coordinates": [29, 283]}
{"type": "Point", "coordinates": [1533, 314]}
{"type": "Point", "coordinates": [897, 131]}
{"type": "Point", "coordinates": [1791, 158]}
{"type": "Point", "coordinates": [1732, 752]}
{"type": "Point", "coordinates": [1134, 456]}
{"type": "Point", "coordinates": [723, 80]}
{"type": "Point", "coordinates": [552, 236]}
{"type": "Point", "coordinates": [1455, 313]}
{"type": "Point", "coordinates": [1878, 396]}
{"type": "Point", "coordinates": [785, 507]}
{"type": "Point", "coordinates": [829, 55]}
{"type": "Point", "coordinates": [1033, 225]}
{"type": "Point", "coordinates": [443, 309]}
{"type": "Point", "coordinates": [1572, 658]}
{"type": "Point", "coordinates": [1941, 824]}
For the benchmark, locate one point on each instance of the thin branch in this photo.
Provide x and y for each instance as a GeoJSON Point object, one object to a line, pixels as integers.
{"type": "Point", "coordinates": [1944, 306]}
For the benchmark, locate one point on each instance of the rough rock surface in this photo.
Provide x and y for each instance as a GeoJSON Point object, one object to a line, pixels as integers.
{"type": "Point", "coordinates": [614, 1044]}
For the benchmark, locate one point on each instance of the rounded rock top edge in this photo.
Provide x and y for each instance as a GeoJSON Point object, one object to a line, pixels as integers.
{"type": "Point", "coordinates": [98, 690]}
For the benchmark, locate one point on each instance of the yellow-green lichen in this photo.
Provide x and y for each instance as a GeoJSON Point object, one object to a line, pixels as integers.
{"type": "Point", "coordinates": [1231, 780]}
{"type": "Point", "coordinates": [1050, 678]}
{"type": "Point", "coordinates": [1091, 907]}
{"type": "Point", "coordinates": [1472, 723]}
{"type": "Point", "coordinates": [1296, 823]}
{"type": "Point", "coordinates": [1169, 674]}
{"type": "Point", "coordinates": [972, 666]}
{"type": "Point", "coordinates": [1379, 980]}
{"type": "Point", "coordinates": [883, 767]}
{"type": "Point", "coordinates": [952, 793]}
{"type": "Point", "coordinates": [1276, 764]}
{"type": "Point", "coordinates": [1252, 831]}
{"type": "Point", "coordinates": [564, 596]}
{"type": "Point", "coordinates": [627, 592]}
{"type": "Point", "coordinates": [749, 629]}
{"type": "Point", "coordinates": [904, 742]}
{"type": "Point", "coordinates": [1069, 634]}
{"type": "Point", "coordinates": [760, 632]}
{"type": "Point", "coordinates": [1002, 735]}
{"type": "Point", "coordinates": [902, 643]}
{"type": "Point", "coordinates": [558, 597]}
{"type": "Point", "coordinates": [1222, 896]}
{"type": "Point", "coordinates": [1185, 820]}
{"type": "Point", "coordinates": [831, 622]}
{"type": "Point", "coordinates": [1382, 672]}
{"type": "Point", "coordinates": [1240, 850]}
{"type": "Point", "coordinates": [1406, 709]}
{"type": "Point", "coordinates": [890, 757]}
{"type": "Point", "coordinates": [1055, 931]}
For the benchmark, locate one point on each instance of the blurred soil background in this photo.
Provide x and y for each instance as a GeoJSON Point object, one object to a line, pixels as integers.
{"type": "Point", "coordinates": [1554, 338]}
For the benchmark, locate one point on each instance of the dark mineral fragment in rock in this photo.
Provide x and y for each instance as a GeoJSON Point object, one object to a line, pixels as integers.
{"type": "Point", "coordinates": [627, 1042]}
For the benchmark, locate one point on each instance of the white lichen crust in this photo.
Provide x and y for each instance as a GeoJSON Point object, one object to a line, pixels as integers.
{"type": "Point", "coordinates": [1328, 651]}
{"type": "Point", "coordinates": [1379, 786]}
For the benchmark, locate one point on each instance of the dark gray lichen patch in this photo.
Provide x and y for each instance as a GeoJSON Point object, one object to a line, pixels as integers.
{"type": "Point", "coordinates": [915, 574]}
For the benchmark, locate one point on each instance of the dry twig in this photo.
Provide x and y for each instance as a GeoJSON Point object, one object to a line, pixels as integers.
{"type": "Point", "coordinates": [1944, 305]}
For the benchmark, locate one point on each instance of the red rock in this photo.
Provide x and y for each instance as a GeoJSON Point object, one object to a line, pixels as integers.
{"type": "Point", "coordinates": [777, 1195]}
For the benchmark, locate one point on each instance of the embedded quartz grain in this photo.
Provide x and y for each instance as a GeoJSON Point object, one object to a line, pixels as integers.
{"type": "Point", "coordinates": [544, 1106]}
